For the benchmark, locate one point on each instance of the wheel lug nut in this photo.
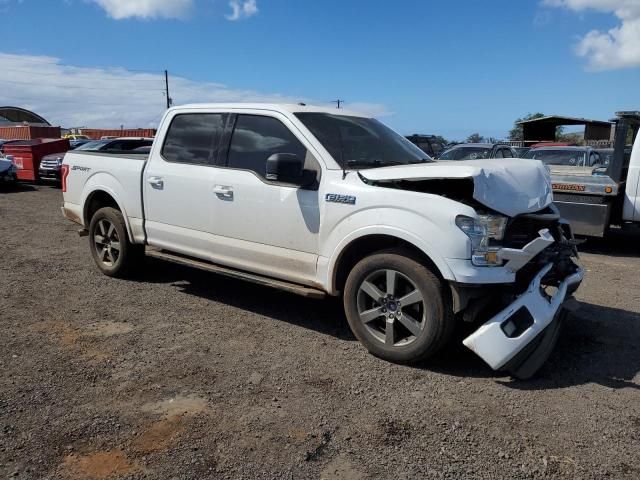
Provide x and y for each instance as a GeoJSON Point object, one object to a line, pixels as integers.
{"type": "Point", "coordinates": [384, 310]}
{"type": "Point", "coordinates": [391, 317]}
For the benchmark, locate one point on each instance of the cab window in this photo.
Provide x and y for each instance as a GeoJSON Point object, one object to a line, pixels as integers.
{"type": "Point", "coordinates": [255, 138]}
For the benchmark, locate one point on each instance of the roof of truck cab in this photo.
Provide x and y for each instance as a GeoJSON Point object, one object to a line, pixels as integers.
{"type": "Point", "coordinates": [278, 107]}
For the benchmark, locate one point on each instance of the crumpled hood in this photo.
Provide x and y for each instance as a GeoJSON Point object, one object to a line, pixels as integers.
{"type": "Point", "coordinates": [511, 186]}
{"type": "Point", "coordinates": [4, 165]}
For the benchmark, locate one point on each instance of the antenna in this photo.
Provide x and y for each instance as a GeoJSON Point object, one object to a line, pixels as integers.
{"type": "Point", "coordinates": [338, 102]}
{"type": "Point", "coordinates": [166, 83]}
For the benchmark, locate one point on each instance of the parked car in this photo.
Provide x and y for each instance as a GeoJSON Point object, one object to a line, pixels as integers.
{"type": "Point", "coordinates": [477, 151]}
{"type": "Point", "coordinates": [73, 144]}
{"type": "Point", "coordinates": [429, 144]}
{"type": "Point", "coordinates": [319, 202]}
{"type": "Point", "coordinates": [50, 166]}
{"type": "Point", "coordinates": [521, 151]}
{"type": "Point", "coordinates": [595, 189]}
{"type": "Point", "coordinates": [73, 136]}
{"type": "Point", "coordinates": [566, 157]}
{"type": "Point", "coordinates": [8, 171]}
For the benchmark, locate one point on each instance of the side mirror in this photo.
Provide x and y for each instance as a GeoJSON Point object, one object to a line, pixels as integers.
{"type": "Point", "coordinates": [286, 168]}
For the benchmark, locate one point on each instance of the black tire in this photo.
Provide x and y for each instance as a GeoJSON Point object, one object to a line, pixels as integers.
{"type": "Point", "coordinates": [113, 262]}
{"type": "Point", "coordinates": [434, 313]}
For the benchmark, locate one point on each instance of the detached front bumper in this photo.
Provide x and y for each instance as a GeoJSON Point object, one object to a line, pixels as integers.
{"type": "Point", "coordinates": [521, 336]}
{"type": "Point", "coordinates": [500, 340]}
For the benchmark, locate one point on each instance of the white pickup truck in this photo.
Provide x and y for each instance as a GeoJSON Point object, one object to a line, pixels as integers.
{"type": "Point", "coordinates": [318, 201]}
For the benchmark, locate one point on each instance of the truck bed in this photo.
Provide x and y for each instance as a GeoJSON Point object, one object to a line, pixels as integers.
{"type": "Point", "coordinates": [118, 174]}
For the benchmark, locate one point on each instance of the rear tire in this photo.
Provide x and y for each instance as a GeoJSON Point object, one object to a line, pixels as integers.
{"type": "Point", "coordinates": [109, 242]}
{"type": "Point", "coordinates": [397, 308]}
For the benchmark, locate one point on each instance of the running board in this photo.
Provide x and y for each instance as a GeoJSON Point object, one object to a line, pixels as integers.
{"type": "Point", "coordinates": [250, 277]}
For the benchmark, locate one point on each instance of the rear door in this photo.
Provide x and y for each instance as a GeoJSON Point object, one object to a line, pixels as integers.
{"type": "Point", "coordinates": [260, 225]}
{"type": "Point", "coordinates": [178, 183]}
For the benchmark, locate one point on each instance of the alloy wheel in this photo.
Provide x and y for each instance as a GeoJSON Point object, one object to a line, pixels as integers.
{"type": "Point", "coordinates": [391, 307]}
{"type": "Point", "coordinates": [107, 242]}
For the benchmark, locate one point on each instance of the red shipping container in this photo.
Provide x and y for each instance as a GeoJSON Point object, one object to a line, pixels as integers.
{"type": "Point", "coordinates": [98, 133]}
{"type": "Point", "coordinates": [28, 132]}
{"type": "Point", "coordinates": [28, 154]}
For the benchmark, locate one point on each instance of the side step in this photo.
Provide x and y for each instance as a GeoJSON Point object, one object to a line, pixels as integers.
{"type": "Point", "coordinates": [250, 277]}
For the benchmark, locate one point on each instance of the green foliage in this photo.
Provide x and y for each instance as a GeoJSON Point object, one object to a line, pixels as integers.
{"type": "Point", "coordinates": [475, 138]}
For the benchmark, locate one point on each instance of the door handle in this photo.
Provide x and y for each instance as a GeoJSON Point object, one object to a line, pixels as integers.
{"type": "Point", "coordinates": [223, 192]}
{"type": "Point", "coordinates": [156, 182]}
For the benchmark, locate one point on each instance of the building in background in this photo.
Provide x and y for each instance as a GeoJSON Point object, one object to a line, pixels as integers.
{"type": "Point", "coordinates": [20, 124]}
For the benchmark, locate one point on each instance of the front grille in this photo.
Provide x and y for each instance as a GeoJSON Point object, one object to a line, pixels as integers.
{"type": "Point", "coordinates": [49, 164]}
{"type": "Point", "coordinates": [524, 228]}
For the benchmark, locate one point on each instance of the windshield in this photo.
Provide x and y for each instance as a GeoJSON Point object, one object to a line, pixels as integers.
{"type": "Point", "coordinates": [574, 158]}
{"type": "Point", "coordinates": [357, 142]}
{"type": "Point", "coordinates": [466, 153]}
{"type": "Point", "coordinates": [93, 145]}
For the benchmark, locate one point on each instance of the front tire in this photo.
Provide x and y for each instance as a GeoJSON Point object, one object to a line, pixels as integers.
{"type": "Point", "coordinates": [397, 308]}
{"type": "Point", "coordinates": [111, 249]}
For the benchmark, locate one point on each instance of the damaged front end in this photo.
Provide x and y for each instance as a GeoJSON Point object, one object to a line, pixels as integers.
{"type": "Point", "coordinates": [516, 232]}
{"type": "Point", "coordinates": [524, 317]}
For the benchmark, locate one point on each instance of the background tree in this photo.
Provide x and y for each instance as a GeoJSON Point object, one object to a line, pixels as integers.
{"type": "Point", "coordinates": [475, 138]}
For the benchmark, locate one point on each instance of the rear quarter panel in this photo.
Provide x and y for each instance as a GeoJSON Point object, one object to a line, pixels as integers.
{"type": "Point", "coordinates": [118, 176]}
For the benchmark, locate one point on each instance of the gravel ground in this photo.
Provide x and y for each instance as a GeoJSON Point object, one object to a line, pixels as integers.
{"type": "Point", "coordinates": [183, 374]}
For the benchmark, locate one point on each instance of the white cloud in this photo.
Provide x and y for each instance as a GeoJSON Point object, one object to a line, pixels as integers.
{"type": "Point", "coordinates": [121, 9]}
{"type": "Point", "coordinates": [616, 48]}
{"type": "Point", "coordinates": [242, 9]}
{"type": "Point", "coordinates": [109, 97]}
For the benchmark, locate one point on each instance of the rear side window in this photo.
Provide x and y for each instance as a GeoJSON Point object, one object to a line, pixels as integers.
{"type": "Point", "coordinates": [193, 138]}
{"type": "Point", "coordinates": [255, 138]}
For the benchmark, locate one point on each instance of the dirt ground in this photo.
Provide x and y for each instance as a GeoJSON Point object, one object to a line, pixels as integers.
{"type": "Point", "coordinates": [187, 375]}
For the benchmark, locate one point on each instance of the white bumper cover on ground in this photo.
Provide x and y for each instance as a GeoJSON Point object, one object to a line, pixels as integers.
{"type": "Point", "coordinates": [491, 341]}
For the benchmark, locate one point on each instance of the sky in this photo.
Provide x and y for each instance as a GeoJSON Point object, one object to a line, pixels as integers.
{"type": "Point", "coordinates": [445, 67]}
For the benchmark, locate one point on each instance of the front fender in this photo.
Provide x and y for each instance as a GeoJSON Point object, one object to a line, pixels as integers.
{"type": "Point", "coordinates": [423, 232]}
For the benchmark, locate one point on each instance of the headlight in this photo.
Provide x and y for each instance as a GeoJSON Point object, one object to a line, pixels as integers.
{"type": "Point", "coordinates": [481, 230]}
{"type": "Point", "coordinates": [59, 160]}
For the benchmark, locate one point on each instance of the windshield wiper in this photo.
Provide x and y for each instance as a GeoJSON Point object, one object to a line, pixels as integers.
{"type": "Point", "coordinates": [371, 164]}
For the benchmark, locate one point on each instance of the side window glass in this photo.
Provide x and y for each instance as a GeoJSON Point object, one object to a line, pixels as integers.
{"type": "Point", "coordinates": [446, 156]}
{"type": "Point", "coordinates": [117, 146]}
{"type": "Point", "coordinates": [499, 153]}
{"type": "Point", "coordinates": [192, 138]}
{"type": "Point", "coordinates": [255, 138]}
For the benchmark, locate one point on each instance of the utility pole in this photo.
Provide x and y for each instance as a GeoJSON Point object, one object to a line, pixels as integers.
{"type": "Point", "coordinates": [166, 85]}
{"type": "Point", "coordinates": [338, 102]}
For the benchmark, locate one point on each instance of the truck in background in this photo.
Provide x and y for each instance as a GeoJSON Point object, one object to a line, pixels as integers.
{"type": "Point", "coordinates": [594, 197]}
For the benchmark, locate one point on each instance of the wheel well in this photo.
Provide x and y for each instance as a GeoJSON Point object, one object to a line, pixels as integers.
{"type": "Point", "coordinates": [95, 202]}
{"type": "Point", "coordinates": [370, 244]}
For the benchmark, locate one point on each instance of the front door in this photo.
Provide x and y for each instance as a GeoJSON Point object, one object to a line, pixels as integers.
{"type": "Point", "coordinates": [259, 225]}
